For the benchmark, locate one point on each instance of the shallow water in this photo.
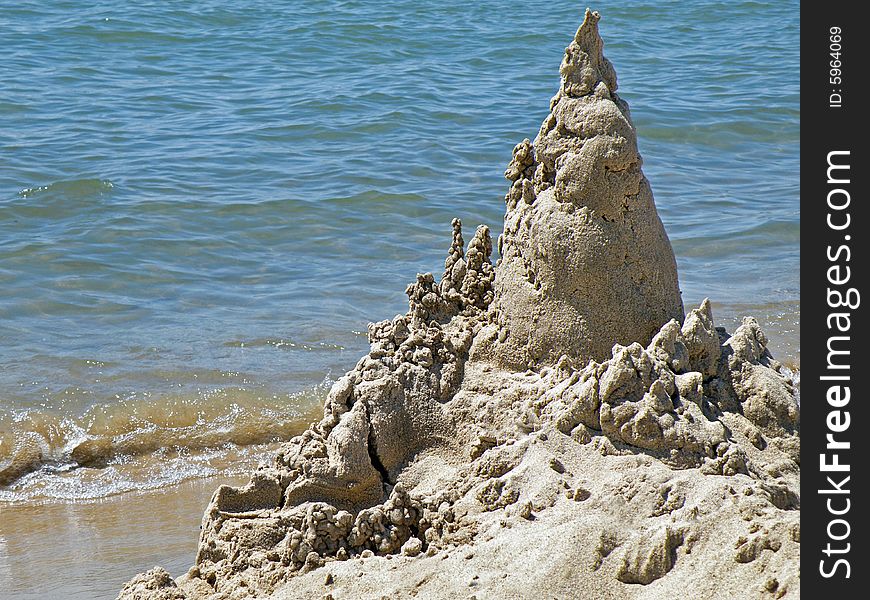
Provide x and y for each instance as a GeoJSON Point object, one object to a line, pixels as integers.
{"type": "Point", "coordinates": [201, 205]}
{"type": "Point", "coordinates": [89, 550]}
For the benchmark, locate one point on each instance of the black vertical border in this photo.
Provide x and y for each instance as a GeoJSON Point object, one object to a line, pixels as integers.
{"type": "Point", "coordinates": [831, 126]}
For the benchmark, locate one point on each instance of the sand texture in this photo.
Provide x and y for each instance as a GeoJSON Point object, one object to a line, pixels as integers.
{"type": "Point", "coordinates": [552, 426]}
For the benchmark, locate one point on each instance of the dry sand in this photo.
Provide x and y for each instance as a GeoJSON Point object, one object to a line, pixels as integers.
{"type": "Point", "coordinates": [495, 443]}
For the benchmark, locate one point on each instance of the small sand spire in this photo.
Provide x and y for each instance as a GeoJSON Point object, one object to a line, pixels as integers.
{"type": "Point", "coordinates": [584, 65]}
{"type": "Point", "coordinates": [476, 289]}
{"type": "Point", "coordinates": [588, 30]}
{"type": "Point", "coordinates": [465, 286]}
{"type": "Point", "coordinates": [457, 249]}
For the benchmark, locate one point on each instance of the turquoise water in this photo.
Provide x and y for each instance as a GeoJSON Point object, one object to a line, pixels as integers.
{"type": "Point", "coordinates": [202, 204]}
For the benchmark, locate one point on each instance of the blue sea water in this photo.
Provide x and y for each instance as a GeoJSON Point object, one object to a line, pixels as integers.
{"type": "Point", "coordinates": [203, 203]}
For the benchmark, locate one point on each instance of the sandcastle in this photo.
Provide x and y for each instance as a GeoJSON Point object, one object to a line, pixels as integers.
{"type": "Point", "coordinates": [558, 404]}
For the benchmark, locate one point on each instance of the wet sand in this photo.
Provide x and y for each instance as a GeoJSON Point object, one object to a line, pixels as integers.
{"type": "Point", "coordinates": [86, 551]}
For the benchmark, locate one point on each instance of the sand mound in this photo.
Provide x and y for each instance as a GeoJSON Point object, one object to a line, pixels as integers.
{"type": "Point", "coordinates": [573, 279]}
{"type": "Point", "coordinates": [495, 443]}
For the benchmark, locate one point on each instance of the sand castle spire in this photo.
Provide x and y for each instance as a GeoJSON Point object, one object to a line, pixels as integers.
{"type": "Point", "coordinates": [585, 258]}
{"type": "Point", "coordinates": [584, 64]}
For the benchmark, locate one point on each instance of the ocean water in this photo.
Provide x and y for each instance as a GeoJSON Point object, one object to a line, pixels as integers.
{"type": "Point", "coordinates": [202, 204]}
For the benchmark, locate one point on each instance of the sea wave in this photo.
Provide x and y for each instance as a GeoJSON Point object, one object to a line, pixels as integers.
{"type": "Point", "coordinates": [80, 188]}
{"type": "Point", "coordinates": [142, 441]}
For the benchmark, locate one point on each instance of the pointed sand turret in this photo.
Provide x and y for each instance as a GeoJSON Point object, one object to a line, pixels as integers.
{"type": "Point", "coordinates": [585, 261]}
